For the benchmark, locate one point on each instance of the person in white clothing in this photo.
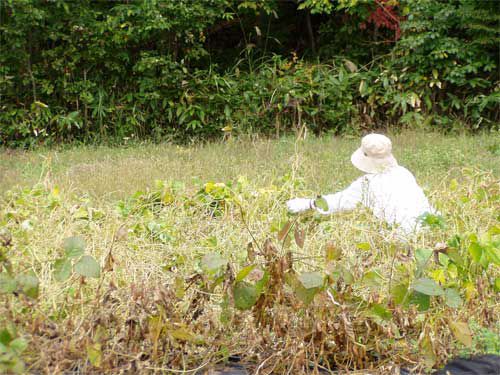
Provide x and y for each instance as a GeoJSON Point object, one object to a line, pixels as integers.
{"type": "Point", "coordinates": [388, 189]}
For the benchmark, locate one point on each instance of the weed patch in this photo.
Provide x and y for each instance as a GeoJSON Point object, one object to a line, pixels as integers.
{"type": "Point", "coordinates": [181, 276]}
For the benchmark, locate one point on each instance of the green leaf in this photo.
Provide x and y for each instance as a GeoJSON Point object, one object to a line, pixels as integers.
{"type": "Point", "coordinates": [454, 241]}
{"type": "Point", "coordinates": [213, 262]}
{"type": "Point", "coordinates": [262, 282]}
{"type": "Point", "coordinates": [372, 279]}
{"type": "Point", "coordinates": [342, 272]}
{"type": "Point", "coordinates": [306, 296]}
{"type": "Point", "coordinates": [452, 298]}
{"type": "Point", "coordinates": [422, 257]}
{"type": "Point", "coordinates": [19, 345]}
{"type": "Point", "coordinates": [497, 284]}
{"type": "Point", "coordinates": [7, 283]}
{"type": "Point", "coordinates": [321, 203]}
{"type": "Point", "coordinates": [244, 272]}
{"type": "Point", "coordinates": [380, 311]}
{"type": "Point", "coordinates": [421, 300]}
{"type": "Point", "coordinates": [400, 293]}
{"type": "Point", "coordinates": [74, 246]}
{"type": "Point", "coordinates": [245, 295]}
{"type": "Point", "coordinates": [87, 266]}
{"type": "Point", "coordinates": [311, 280]}
{"type": "Point", "coordinates": [444, 259]}
{"type": "Point", "coordinates": [462, 333]}
{"type": "Point", "coordinates": [428, 287]}
{"type": "Point", "coordinates": [29, 284]}
{"type": "Point", "coordinates": [494, 230]}
{"type": "Point", "coordinates": [493, 253]}
{"type": "Point", "coordinates": [5, 337]}
{"type": "Point", "coordinates": [455, 256]}
{"type": "Point", "coordinates": [476, 251]}
{"type": "Point", "coordinates": [433, 221]}
{"type": "Point", "coordinates": [62, 269]}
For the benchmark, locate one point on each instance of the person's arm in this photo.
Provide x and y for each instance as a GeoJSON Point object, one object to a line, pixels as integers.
{"type": "Point", "coordinates": [297, 205]}
{"type": "Point", "coordinates": [346, 199]}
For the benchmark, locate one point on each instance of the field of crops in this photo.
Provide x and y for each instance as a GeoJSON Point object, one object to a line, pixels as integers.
{"type": "Point", "coordinates": [152, 258]}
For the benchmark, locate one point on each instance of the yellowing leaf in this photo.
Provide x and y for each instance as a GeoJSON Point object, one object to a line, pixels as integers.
{"type": "Point", "coordinates": [182, 334]}
{"type": "Point", "coordinates": [179, 287]}
{"type": "Point", "coordinates": [363, 246]}
{"type": "Point", "coordinates": [362, 87]}
{"type": "Point", "coordinates": [94, 354]}
{"type": "Point", "coordinates": [350, 66]}
{"type": "Point", "coordinates": [244, 272]}
{"type": "Point", "coordinates": [428, 352]}
{"type": "Point", "coordinates": [453, 184]}
{"type": "Point", "coordinates": [470, 290]}
{"type": "Point", "coordinates": [462, 332]}
{"type": "Point", "coordinates": [438, 275]}
{"type": "Point", "coordinates": [332, 252]}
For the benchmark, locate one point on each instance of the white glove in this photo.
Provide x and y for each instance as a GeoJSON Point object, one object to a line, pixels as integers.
{"type": "Point", "coordinates": [297, 205]}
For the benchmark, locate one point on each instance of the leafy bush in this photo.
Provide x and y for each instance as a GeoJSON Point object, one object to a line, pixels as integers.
{"type": "Point", "coordinates": [449, 54]}
{"type": "Point", "coordinates": [109, 71]}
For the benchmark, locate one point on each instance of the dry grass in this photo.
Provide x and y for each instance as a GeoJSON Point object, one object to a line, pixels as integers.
{"type": "Point", "coordinates": [324, 162]}
{"type": "Point", "coordinates": [137, 319]}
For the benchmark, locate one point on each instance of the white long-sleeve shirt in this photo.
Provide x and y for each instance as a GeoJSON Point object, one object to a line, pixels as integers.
{"type": "Point", "coordinates": [393, 196]}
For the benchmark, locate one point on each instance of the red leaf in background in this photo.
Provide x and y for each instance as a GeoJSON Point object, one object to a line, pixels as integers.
{"type": "Point", "coordinates": [385, 16]}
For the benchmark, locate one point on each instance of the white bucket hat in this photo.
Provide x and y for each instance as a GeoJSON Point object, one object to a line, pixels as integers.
{"type": "Point", "coordinates": [374, 155]}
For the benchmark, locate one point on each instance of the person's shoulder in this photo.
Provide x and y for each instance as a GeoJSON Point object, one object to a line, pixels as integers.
{"type": "Point", "coordinates": [400, 170]}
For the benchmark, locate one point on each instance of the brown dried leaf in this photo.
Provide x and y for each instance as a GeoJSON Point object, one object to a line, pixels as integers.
{"type": "Point", "coordinates": [121, 233]}
{"type": "Point", "coordinates": [255, 275]}
{"type": "Point", "coordinates": [350, 66]}
{"type": "Point", "coordinates": [250, 252]}
{"type": "Point", "coordinates": [270, 251]}
{"type": "Point", "coordinates": [348, 327]}
{"type": "Point", "coordinates": [300, 236]}
{"type": "Point", "coordinates": [284, 231]}
{"type": "Point", "coordinates": [5, 237]}
{"type": "Point", "coordinates": [108, 262]}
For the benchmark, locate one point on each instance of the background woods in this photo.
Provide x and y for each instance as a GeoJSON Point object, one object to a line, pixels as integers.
{"type": "Point", "coordinates": [96, 71]}
{"type": "Point", "coordinates": [162, 257]}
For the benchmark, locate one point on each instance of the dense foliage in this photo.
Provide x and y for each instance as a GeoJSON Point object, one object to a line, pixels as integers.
{"type": "Point", "coordinates": [82, 70]}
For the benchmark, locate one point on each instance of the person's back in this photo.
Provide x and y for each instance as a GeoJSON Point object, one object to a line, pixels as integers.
{"type": "Point", "coordinates": [394, 196]}
{"type": "Point", "coordinates": [388, 189]}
